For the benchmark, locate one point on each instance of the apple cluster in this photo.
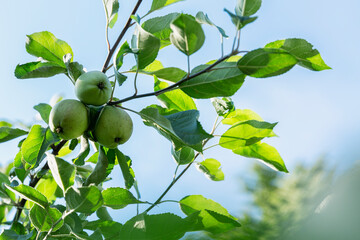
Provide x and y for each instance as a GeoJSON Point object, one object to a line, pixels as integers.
{"type": "Point", "coordinates": [70, 118]}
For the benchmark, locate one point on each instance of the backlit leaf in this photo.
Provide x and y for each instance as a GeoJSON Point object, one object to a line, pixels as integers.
{"type": "Point", "coordinates": [38, 70]}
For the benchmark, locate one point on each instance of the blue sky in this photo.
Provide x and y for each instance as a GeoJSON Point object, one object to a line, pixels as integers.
{"type": "Point", "coordinates": [318, 112]}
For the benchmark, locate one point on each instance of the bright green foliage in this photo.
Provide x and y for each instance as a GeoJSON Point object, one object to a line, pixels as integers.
{"type": "Point", "coordinates": [268, 154]}
{"type": "Point", "coordinates": [38, 70]}
{"type": "Point", "coordinates": [77, 166]}
{"type": "Point", "coordinates": [45, 219]}
{"type": "Point", "coordinates": [84, 199]}
{"type": "Point", "coordinates": [266, 62]}
{"type": "Point", "coordinates": [187, 34]}
{"type": "Point", "coordinates": [30, 194]}
{"type": "Point", "coordinates": [212, 217]}
{"type": "Point", "coordinates": [174, 100]}
{"type": "Point", "coordinates": [117, 198]}
{"type": "Point", "coordinates": [211, 168]}
{"type": "Point", "coordinates": [44, 111]}
{"type": "Point", "coordinates": [146, 46]}
{"type": "Point", "coordinates": [8, 133]}
{"type": "Point", "coordinates": [47, 46]}
{"type": "Point", "coordinates": [302, 50]}
{"type": "Point", "coordinates": [183, 156]}
{"type": "Point", "coordinates": [152, 227]}
{"type": "Point", "coordinates": [223, 81]}
{"type": "Point", "coordinates": [62, 171]}
{"type": "Point", "coordinates": [36, 143]}
{"type": "Point", "coordinates": [158, 4]}
{"type": "Point", "coordinates": [246, 133]}
{"type": "Point", "coordinates": [160, 28]}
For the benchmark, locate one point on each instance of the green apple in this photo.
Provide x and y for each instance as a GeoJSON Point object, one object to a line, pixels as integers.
{"type": "Point", "coordinates": [69, 119]}
{"type": "Point", "coordinates": [113, 127]}
{"type": "Point", "coordinates": [93, 88]}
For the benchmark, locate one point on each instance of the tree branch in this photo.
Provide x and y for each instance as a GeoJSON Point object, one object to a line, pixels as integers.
{"type": "Point", "coordinates": [127, 26]}
{"type": "Point", "coordinates": [36, 179]}
{"type": "Point", "coordinates": [171, 87]}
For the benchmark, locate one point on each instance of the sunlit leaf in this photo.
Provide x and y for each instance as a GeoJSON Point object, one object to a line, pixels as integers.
{"type": "Point", "coordinates": [47, 46]}
{"type": "Point", "coordinates": [264, 152]}
{"type": "Point", "coordinates": [211, 168]}
{"type": "Point", "coordinates": [187, 35]}
{"type": "Point", "coordinates": [8, 133]}
{"type": "Point", "coordinates": [302, 50]}
{"type": "Point", "coordinates": [38, 70]}
{"type": "Point", "coordinates": [45, 219]}
{"type": "Point", "coordinates": [117, 198]}
{"type": "Point", "coordinates": [30, 194]}
{"type": "Point", "coordinates": [84, 199]}
{"type": "Point", "coordinates": [62, 171]}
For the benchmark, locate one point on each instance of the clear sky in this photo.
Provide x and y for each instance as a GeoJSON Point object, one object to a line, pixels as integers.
{"type": "Point", "coordinates": [318, 112]}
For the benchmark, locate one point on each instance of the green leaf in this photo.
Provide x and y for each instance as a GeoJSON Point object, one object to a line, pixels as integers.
{"type": "Point", "coordinates": [211, 168]}
{"type": "Point", "coordinates": [38, 70]}
{"type": "Point", "coordinates": [158, 4]}
{"type": "Point", "coordinates": [187, 126]}
{"type": "Point", "coordinates": [5, 124]}
{"type": "Point", "coordinates": [246, 133]}
{"type": "Point", "coordinates": [117, 198]}
{"type": "Point", "coordinates": [74, 70]}
{"type": "Point", "coordinates": [264, 152]}
{"type": "Point", "coordinates": [36, 144]}
{"type": "Point", "coordinates": [154, 227]}
{"type": "Point", "coordinates": [4, 179]}
{"type": "Point", "coordinates": [109, 229]}
{"type": "Point", "coordinates": [125, 166]}
{"type": "Point", "coordinates": [47, 46]}
{"type": "Point", "coordinates": [240, 21]}
{"type": "Point", "coordinates": [103, 214]}
{"type": "Point", "coordinates": [111, 11]}
{"type": "Point", "coordinates": [223, 106]}
{"type": "Point", "coordinates": [147, 46]}
{"type": "Point", "coordinates": [175, 99]}
{"type": "Point", "coordinates": [120, 78]}
{"type": "Point", "coordinates": [48, 187]}
{"type": "Point", "coordinates": [62, 171]}
{"type": "Point", "coordinates": [247, 7]}
{"type": "Point", "coordinates": [103, 167]}
{"type": "Point", "coordinates": [84, 152]}
{"type": "Point", "coordinates": [7, 234]}
{"type": "Point", "coordinates": [30, 194]}
{"type": "Point", "coordinates": [182, 128]}
{"type": "Point", "coordinates": [171, 74]}
{"type": "Point", "coordinates": [241, 115]}
{"type": "Point", "coordinates": [119, 56]}
{"type": "Point", "coordinates": [187, 34]}
{"type": "Point", "coordinates": [44, 110]}
{"type": "Point", "coordinates": [213, 216]}
{"type": "Point", "coordinates": [224, 80]}
{"type": "Point", "coordinates": [160, 27]}
{"type": "Point", "coordinates": [45, 219]}
{"type": "Point", "coordinates": [203, 18]}
{"type": "Point", "coordinates": [266, 62]}
{"type": "Point", "coordinates": [183, 156]}
{"type": "Point", "coordinates": [8, 133]}
{"type": "Point", "coordinates": [303, 51]}
{"type": "Point", "coordinates": [84, 199]}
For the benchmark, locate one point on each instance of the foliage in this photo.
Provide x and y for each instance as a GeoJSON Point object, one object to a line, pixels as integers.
{"type": "Point", "coordinates": [53, 197]}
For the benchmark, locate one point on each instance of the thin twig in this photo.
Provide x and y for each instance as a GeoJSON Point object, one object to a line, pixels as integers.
{"type": "Point", "coordinates": [171, 87]}
{"type": "Point", "coordinates": [127, 26]}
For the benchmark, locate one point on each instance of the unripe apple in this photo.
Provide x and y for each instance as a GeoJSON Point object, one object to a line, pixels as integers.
{"type": "Point", "coordinates": [93, 88]}
{"type": "Point", "coordinates": [113, 127]}
{"type": "Point", "coordinates": [69, 119]}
